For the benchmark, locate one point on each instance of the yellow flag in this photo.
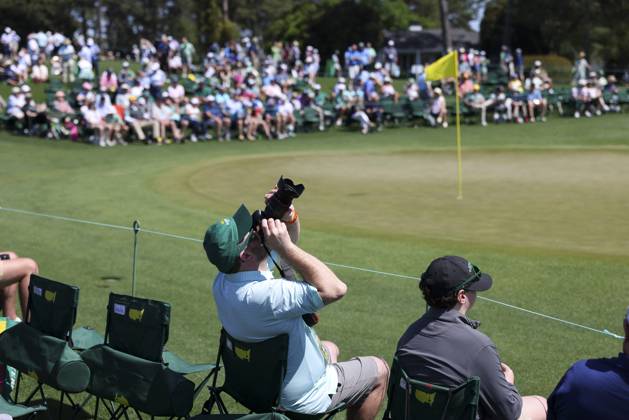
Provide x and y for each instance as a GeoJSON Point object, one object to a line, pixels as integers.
{"type": "Point", "coordinates": [443, 68]}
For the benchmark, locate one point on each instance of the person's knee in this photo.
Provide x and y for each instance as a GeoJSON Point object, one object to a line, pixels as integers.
{"type": "Point", "coordinates": [333, 349]}
{"type": "Point", "coordinates": [534, 407]}
{"type": "Point", "coordinates": [31, 266]}
{"type": "Point", "coordinates": [383, 370]}
{"type": "Point", "coordinates": [541, 400]}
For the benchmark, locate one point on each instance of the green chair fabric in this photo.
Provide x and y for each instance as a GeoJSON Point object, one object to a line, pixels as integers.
{"type": "Point", "coordinates": [48, 359]}
{"type": "Point", "coordinates": [254, 375]}
{"type": "Point", "coordinates": [265, 416]}
{"type": "Point", "coordinates": [139, 383]}
{"type": "Point", "coordinates": [179, 365]}
{"type": "Point", "coordinates": [52, 306]}
{"type": "Point", "coordinates": [17, 410]}
{"type": "Point", "coordinates": [254, 372]}
{"type": "Point", "coordinates": [137, 326]}
{"type": "Point", "coordinates": [413, 399]}
{"type": "Point", "coordinates": [39, 347]}
{"type": "Point", "coordinates": [85, 337]}
{"type": "Point", "coordinates": [129, 364]}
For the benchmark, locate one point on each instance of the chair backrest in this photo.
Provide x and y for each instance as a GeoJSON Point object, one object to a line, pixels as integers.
{"type": "Point", "coordinates": [137, 326]}
{"type": "Point", "coordinates": [254, 372]}
{"type": "Point", "coordinates": [52, 307]}
{"type": "Point", "coordinates": [414, 399]}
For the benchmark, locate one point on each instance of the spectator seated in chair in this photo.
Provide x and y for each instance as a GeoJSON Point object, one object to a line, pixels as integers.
{"type": "Point", "coordinates": [444, 346]}
{"type": "Point", "coordinates": [15, 276]}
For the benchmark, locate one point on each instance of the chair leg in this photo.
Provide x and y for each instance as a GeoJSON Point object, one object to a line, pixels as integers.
{"type": "Point", "coordinates": [61, 404]}
{"type": "Point", "coordinates": [77, 407]}
{"type": "Point", "coordinates": [17, 387]}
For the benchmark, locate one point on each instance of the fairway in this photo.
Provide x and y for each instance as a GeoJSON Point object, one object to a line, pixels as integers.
{"type": "Point", "coordinates": [544, 211]}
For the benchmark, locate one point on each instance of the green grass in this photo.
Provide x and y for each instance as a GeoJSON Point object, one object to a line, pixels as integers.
{"type": "Point", "coordinates": [544, 211]}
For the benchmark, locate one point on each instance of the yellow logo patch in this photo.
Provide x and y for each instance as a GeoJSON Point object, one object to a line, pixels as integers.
{"type": "Point", "coordinates": [243, 354]}
{"type": "Point", "coordinates": [136, 314]}
{"type": "Point", "coordinates": [50, 296]}
{"type": "Point", "coordinates": [425, 397]}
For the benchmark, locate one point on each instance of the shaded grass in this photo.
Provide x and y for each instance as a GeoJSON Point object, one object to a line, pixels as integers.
{"type": "Point", "coordinates": [543, 213]}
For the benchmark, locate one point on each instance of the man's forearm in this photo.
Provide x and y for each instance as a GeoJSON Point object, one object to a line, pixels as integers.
{"type": "Point", "coordinates": [293, 228]}
{"type": "Point", "coordinates": [316, 273]}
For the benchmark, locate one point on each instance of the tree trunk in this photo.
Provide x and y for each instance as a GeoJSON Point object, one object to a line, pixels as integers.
{"type": "Point", "coordinates": [445, 26]}
{"type": "Point", "coordinates": [506, 36]}
{"type": "Point", "coordinates": [225, 9]}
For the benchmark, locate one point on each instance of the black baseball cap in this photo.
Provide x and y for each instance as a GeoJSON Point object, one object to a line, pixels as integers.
{"type": "Point", "coordinates": [449, 274]}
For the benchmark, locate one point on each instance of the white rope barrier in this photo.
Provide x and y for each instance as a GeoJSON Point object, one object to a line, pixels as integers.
{"type": "Point", "coordinates": [605, 331]}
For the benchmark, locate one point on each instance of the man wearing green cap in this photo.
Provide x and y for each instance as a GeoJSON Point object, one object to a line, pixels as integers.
{"type": "Point", "coordinates": [254, 306]}
{"type": "Point", "coordinates": [445, 348]}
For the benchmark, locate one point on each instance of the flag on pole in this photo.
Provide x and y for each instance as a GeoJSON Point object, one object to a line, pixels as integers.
{"type": "Point", "coordinates": [443, 68]}
{"type": "Point", "coordinates": [446, 67]}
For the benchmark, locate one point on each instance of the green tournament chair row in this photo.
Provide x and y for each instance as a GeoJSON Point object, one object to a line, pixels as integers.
{"type": "Point", "coordinates": [127, 368]}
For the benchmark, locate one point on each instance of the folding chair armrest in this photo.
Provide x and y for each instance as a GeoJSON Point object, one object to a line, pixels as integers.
{"type": "Point", "coordinates": [179, 365]}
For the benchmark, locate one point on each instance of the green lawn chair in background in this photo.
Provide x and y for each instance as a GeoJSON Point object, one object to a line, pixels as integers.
{"type": "Point", "coordinates": [412, 399]}
{"type": "Point", "coordinates": [131, 370]}
{"type": "Point", "coordinates": [39, 347]}
{"type": "Point", "coordinates": [254, 374]}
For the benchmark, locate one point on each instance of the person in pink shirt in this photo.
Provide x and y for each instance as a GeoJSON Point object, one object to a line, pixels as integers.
{"type": "Point", "coordinates": [109, 81]}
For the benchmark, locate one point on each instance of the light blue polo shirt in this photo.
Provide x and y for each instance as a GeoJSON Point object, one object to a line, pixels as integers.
{"type": "Point", "coordinates": [253, 306]}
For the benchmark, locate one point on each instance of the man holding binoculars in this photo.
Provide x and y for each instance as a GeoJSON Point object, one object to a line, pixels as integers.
{"type": "Point", "coordinates": [254, 306]}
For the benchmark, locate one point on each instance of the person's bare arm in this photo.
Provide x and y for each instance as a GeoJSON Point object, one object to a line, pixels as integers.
{"type": "Point", "coordinates": [312, 270]}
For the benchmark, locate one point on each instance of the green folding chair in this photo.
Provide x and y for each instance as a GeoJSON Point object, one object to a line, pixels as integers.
{"type": "Point", "coordinates": [254, 375]}
{"type": "Point", "coordinates": [265, 416]}
{"type": "Point", "coordinates": [131, 370]}
{"type": "Point", "coordinates": [413, 399]}
{"type": "Point", "coordinates": [39, 347]}
{"type": "Point", "coordinates": [19, 411]}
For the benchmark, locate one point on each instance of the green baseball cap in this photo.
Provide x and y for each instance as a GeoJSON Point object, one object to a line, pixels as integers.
{"type": "Point", "coordinates": [225, 240]}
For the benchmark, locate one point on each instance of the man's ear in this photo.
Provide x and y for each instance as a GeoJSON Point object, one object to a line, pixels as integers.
{"type": "Point", "coordinates": [245, 255]}
{"type": "Point", "coordinates": [460, 296]}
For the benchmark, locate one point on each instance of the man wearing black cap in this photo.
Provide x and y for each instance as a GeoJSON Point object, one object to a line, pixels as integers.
{"type": "Point", "coordinates": [444, 347]}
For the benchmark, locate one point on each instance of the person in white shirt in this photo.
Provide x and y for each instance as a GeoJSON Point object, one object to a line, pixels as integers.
{"type": "Point", "coordinates": [176, 92]}
{"type": "Point", "coordinates": [254, 306]}
{"type": "Point", "coordinates": [438, 108]}
{"type": "Point", "coordinates": [95, 121]}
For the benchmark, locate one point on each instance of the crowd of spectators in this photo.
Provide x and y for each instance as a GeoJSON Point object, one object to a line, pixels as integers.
{"type": "Point", "coordinates": [162, 94]}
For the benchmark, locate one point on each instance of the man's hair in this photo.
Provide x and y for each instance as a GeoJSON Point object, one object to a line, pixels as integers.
{"type": "Point", "coordinates": [447, 301]}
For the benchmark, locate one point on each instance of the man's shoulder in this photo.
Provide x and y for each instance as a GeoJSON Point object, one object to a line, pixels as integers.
{"type": "Point", "coordinates": [601, 366]}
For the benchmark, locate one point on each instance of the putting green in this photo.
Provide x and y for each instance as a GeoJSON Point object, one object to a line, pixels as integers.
{"type": "Point", "coordinates": [564, 201]}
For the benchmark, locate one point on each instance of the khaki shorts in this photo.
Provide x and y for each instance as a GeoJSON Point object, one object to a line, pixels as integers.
{"type": "Point", "coordinates": [357, 377]}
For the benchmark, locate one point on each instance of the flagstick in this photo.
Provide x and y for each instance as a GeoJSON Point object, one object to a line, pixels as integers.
{"type": "Point", "coordinates": [458, 128]}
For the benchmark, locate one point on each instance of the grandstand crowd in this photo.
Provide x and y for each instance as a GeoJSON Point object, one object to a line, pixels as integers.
{"type": "Point", "coordinates": [241, 91]}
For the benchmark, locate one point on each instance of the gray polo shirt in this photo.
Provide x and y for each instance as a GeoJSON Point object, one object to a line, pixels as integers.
{"type": "Point", "coordinates": [444, 348]}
